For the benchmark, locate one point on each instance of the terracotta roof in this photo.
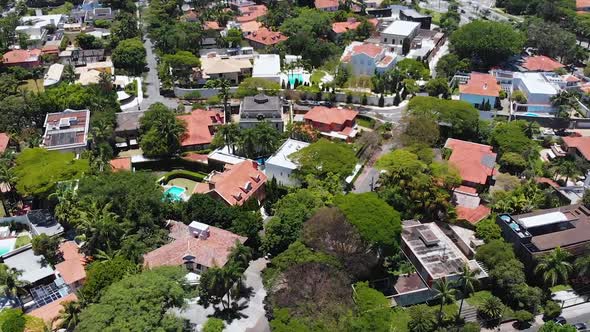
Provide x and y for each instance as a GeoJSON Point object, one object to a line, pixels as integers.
{"type": "Point", "coordinates": [266, 37]}
{"type": "Point", "coordinates": [322, 4]}
{"type": "Point", "coordinates": [571, 78]}
{"type": "Point", "coordinates": [473, 215]}
{"type": "Point", "coordinates": [582, 3]}
{"type": "Point", "coordinates": [351, 24]}
{"type": "Point", "coordinates": [482, 85]}
{"type": "Point", "coordinates": [547, 181]}
{"type": "Point", "coordinates": [371, 50]}
{"type": "Point", "coordinates": [21, 56]}
{"type": "Point", "coordinates": [385, 61]}
{"type": "Point", "coordinates": [211, 25]}
{"type": "Point", "coordinates": [237, 183]}
{"type": "Point", "coordinates": [466, 189]}
{"type": "Point", "coordinates": [251, 26]}
{"type": "Point", "coordinates": [50, 49]}
{"type": "Point", "coordinates": [212, 251]}
{"type": "Point", "coordinates": [121, 164]}
{"type": "Point", "coordinates": [582, 144]}
{"type": "Point", "coordinates": [4, 140]}
{"type": "Point", "coordinates": [190, 16]}
{"type": "Point", "coordinates": [329, 116]}
{"type": "Point", "coordinates": [196, 157]}
{"type": "Point", "coordinates": [251, 13]}
{"type": "Point", "coordinates": [72, 268]}
{"type": "Point", "coordinates": [199, 126]}
{"type": "Point", "coordinates": [51, 311]}
{"type": "Point", "coordinates": [541, 63]}
{"type": "Point", "coordinates": [474, 161]}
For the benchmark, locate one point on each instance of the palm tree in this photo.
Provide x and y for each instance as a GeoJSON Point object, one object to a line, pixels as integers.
{"type": "Point", "coordinates": [565, 102]}
{"type": "Point", "coordinates": [105, 81]}
{"type": "Point", "coordinates": [567, 168]}
{"type": "Point", "coordinates": [67, 206]}
{"type": "Point", "coordinates": [231, 135]}
{"type": "Point", "coordinates": [468, 280]}
{"type": "Point", "coordinates": [248, 142]}
{"type": "Point", "coordinates": [69, 74]}
{"type": "Point", "coordinates": [582, 265]}
{"type": "Point", "coordinates": [554, 267]}
{"type": "Point", "coordinates": [492, 308]}
{"type": "Point", "coordinates": [69, 315]}
{"type": "Point", "coordinates": [444, 293]}
{"type": "Point", "coordinates": [223, 86]}
{"type": "Point", "coordinates": [240, 255]}
{"type": "Point", "coordinates": [37, 74]}
{"type": "Point", "coordinates": [9, 281]}
{"type": "Point", "coordinates": [100, 226]}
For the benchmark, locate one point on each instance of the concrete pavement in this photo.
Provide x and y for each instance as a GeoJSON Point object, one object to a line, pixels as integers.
{"type": "Point", "coordinates": [152, 81]}
{"type": "Point", "coordinates": [366, 181]}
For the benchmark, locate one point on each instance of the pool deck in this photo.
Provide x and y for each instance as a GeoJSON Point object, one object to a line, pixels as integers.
{"type": "Point", "coordinates": [187, 184]}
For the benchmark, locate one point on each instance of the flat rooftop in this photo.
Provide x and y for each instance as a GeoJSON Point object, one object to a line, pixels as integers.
{"type": "Point", "coordinates": [536, 83]}
{"type": "Point", "coordinates": [281, 157]}
{"type": "Point", "coordinates": [401, 28]}
{"type": "Point", "coordinates": [559, 227]}
{"type": "Point", "coordinates": [435, 251]}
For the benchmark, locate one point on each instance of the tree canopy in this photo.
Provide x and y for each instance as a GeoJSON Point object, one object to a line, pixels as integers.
{"type": "Point", "coordinates": [324, 157]}
{"type": "Point", "coordinates": [130, 55]}
{"type": "Point", "coordinates": [161, 131]}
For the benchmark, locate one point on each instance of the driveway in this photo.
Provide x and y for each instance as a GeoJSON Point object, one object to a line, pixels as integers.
{"type": "Point", "coordinates": [253, 318]}
{"type": "Point", "coordinates": [366, 181]}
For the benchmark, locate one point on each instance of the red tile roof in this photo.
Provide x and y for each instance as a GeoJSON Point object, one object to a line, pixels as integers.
{"type": "Point", "coordinates": [323, 4]}
{"type": "Point", "coordinates": [466, 190]}
{"type": "Point", "coordinates": [21, 56]}
{"type": "Point", "coordinates": [4, 140]}
{"type": "Point", "coordinates": [121, 164]}
{"type": "Point", "coordinates": [582, 144]}
{"type": "Point", "coordinates": [547, 181]}
{"type": "Point", "coordinates": [266, 37]}
{"type": "Point", "coordinates": [473, 215]}
{"type": "Point", "coordinates": [351, 24]}
{"type": "Point", "coordinates": [251, 26]}
{"type": "Point", "coordinates": [196, 157]}
{"type": "Point", "coordinates": [251, 13]}
{"type": "Point", "coordinates": [50, 49]}
{"type": "Point", "coordinates": [541, 63]}
{"type": "Point", "coordinates": [371, 50]}
{"type": "Point", "coordinates": [582, 3]}
{"type": "Point", "coordinates": [50, 311]}
{"type": "Point", "coordinates": [237, 183]}
{"type": "Point", "coordinates": [210, 252]}
{"type": "Point", "coordinates": [72, 268]}
{"type": "Point", "coordinates": [211, 25]}
{"type": "Point", "coordinates": [330, 116]}
{"type": "Point", "coordinates": [474, 161]}
{"type": "Point", "coordinates": [199, 126]}
{"type": "Point", "coordinates": [481, 85]}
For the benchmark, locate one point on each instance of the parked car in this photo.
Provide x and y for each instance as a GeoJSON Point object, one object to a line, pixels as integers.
{"type": "Point", "coordinates": [560, 320]}
{"type": "Point", "coordinates": [581, 326]}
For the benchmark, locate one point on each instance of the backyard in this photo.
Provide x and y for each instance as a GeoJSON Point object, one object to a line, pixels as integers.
{"type": "Point", "coordinates": [184, 179]}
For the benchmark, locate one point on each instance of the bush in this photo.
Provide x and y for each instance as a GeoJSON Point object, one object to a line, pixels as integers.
{"type": "Point", "coordinates": [12, 320]}
{"type": "Point", "coordinates": [381, 101]}
{"type": "Point", "coordinates": [213, 325]}
{"type": "Point", "coordinates": [192, 95]}
{"type": "Point", "coordinates": [199, 177]}
{"type": "Point", "coordinates": [488, 230]}
{"type": "Point", "coordinates": [523, 317]}
{"type": "Point", "coordinates": [364, 100]}
{"type": "Point", "coordinates": [471, 327]}
{"type": "Point", "coordinates": [551, 310]}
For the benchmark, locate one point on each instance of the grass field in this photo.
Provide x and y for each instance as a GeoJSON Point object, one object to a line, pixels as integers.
{"type": "Point", "coordinates": [363, 122]}
{"type": "Point", "coordinates": [29, 85]}
{"type": "Point", "coordinates": [478, 298]}
{"type": "Point", "coordinates": [22, 241]}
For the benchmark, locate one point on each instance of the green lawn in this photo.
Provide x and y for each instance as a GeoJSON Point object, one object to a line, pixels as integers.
{"type": "Point", "coordinates": [30, 85]}
{"type": "Point", "coordinates": [401, 318]}
{"type": "Point", "coordinates": [363, 122]}
{"type": "Point", "coordinates": [22, 241]}
{"type": "Point", "coordinates": [317, 75]}
{"type": "Point", "coordinates": [559, 288]}
{"type": "Point", "coordinates": [478, 298]}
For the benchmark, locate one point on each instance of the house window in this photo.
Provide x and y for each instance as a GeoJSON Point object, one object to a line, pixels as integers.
{"type": "Point", "coordinates": [385, 40]}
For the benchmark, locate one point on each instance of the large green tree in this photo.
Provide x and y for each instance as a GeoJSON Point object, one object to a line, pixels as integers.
{"type": "Point", "coordinates": [486, 43]}
{"type": "Point", "coordinates": [161, 131]}
{"type": "Point", "coordinates": [555, 266]}
{"type": "Point", "coordinates": [130, 56]}
{"type": "Point", "coordinates": [324, 157]}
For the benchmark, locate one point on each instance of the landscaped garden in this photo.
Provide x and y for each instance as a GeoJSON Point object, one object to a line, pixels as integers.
{"type": "Point", "coordinates": [179, 183]}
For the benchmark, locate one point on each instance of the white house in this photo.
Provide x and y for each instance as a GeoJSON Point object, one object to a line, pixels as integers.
{"type": "Point", "coordinates": [399, 32]}
{"type": "Point", "coordinates": [537, 90]}
{"type": "Point", "coordinates": [36, 27]}
{"type": "Point", "coordinates": [280, 166]}
{"type": "Point", "coordinates": [366, 58]}
{"type": "Point", "coordinates": [267, 66]}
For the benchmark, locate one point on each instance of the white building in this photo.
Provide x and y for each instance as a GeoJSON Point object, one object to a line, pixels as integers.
{"type": "Point", "coordinates": [537, 89]}
{"type": "Point", "coordinates": [280, 166]}
{"type": "Point", "coordinates": [398, 32]}
{"type": "Point", "coordinates": [36, 27]}
{"type": "Point", "coordinates": [366, 58]}
{"type": "Point", "coordinates": [267, 66]}
{"type": "Point", "coordinates": [53, 75]}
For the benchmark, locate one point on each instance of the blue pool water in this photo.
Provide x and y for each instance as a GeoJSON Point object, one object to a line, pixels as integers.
{"type": "Point", "coordinates": [531, 114]}
{"type": "Point", "coordinates": [293, 77]}
{"type": "Point", "coordinates": [174, 193]}
{"type": "Point", "coordinates": [6, 246]}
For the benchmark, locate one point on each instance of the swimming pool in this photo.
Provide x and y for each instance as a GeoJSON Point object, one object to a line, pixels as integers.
{"type": "Point", "coordinates": [531, 114]}
{"type": "Point", "coordinates": [293, 77]}
{"type": "Point", "coordinates": [7, 245]}
{"type": "Point", "coordinates": [174, 193]}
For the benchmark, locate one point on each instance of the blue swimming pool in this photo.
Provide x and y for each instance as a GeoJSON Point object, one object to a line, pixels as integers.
{"type": "Point", "coordinates": [293, 77]}
{"type": "Point", "coordinates": [174, 193]}
{"type": "Point", "coordinates": [531, 114]}
{"type": "Point", "coordinates": [7, 245]}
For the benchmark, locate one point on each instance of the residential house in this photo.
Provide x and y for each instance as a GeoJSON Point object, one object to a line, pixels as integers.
{"type": "Point", "coordinates": [366, 58]}
{"type": "Point", "coordinates": [280, 166]}
{"type": "Point", "coordinates": [434, 255]}
{"type": "Point", "coordinates": [583, 6]}
{"type": "Point", "coordinates": [480, 90]}
{"type": "Point", "coordinates": [94, 14]}
{"type": "Point", "coordinates": [223, 156]}
{"type": "Point", "coordinates": [400, 34]}
{"type": "Point", "coordinates": [261, 108]}
{"type": "Point", "coordinates": [425, 45]}
{"type": "Point", "coordinates": [537, 233]}
{"type": "Point", "coordinates": [327, 5]}
{"type": "Point", "coordinates": [66, 131]}
{"type": "Point", "coordinates": [196, 246]}
{"type": "Point", "coordinates": [351, 24]}
{"type": "Point", "coordinates": [211, 33]}
{"type": "Point", "coordinates": [540, 63]}
{"type": "Point", "coordinates": [232, 69]}
{"type": "Point", "coordinates": [577, 146]}
{"type": "Point", "coordinates": [200, 128]}
{"type": "Point", "coordinates": [128, 127]}
{"type": "Point", "coordinates": [475, 163]}
{"type": "Point", "coordinates": [53, 75]}
{"type": "Point", "coordinates": [264, 37]}
{"type": "Point", "coordinates": [79, 57]}
{"type": "Point", "coordinates": [121, 164]}
{"type": "Point", "coordinates": [36, 27]}
{"type": "Point", "coordinates": [51, 312]}
{"type": "Point", "coordinates": [413, 16]}
{"type": "Point", "coordinates": [22, 58]}
{"type": "Point", "coordinates": [251, 13]}
{"type": "Point", "coordinates": [267, 66]}
{"type": "Point", "coordinates": [90, 74]}
{"type": "Point", "coordinates": [333, 122]}
{"type": "Point", "coordinates": [538, 91]}
{"type": "Point", "coordinates": [72, 268]}
{"type": "Point", "coordinates": [236, 185]}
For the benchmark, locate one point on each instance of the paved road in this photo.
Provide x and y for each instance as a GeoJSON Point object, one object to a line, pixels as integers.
{"type": "Point", "coordinates": [366, 181]}
{"type": "Point", "coordinates": [575, 314]}
{"type": "Point", "coordinates": [389, 113]}
{"type": "Point", "coordinates": [444, 49]}
{"type": "Point", "coordinates": [153, 82]}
